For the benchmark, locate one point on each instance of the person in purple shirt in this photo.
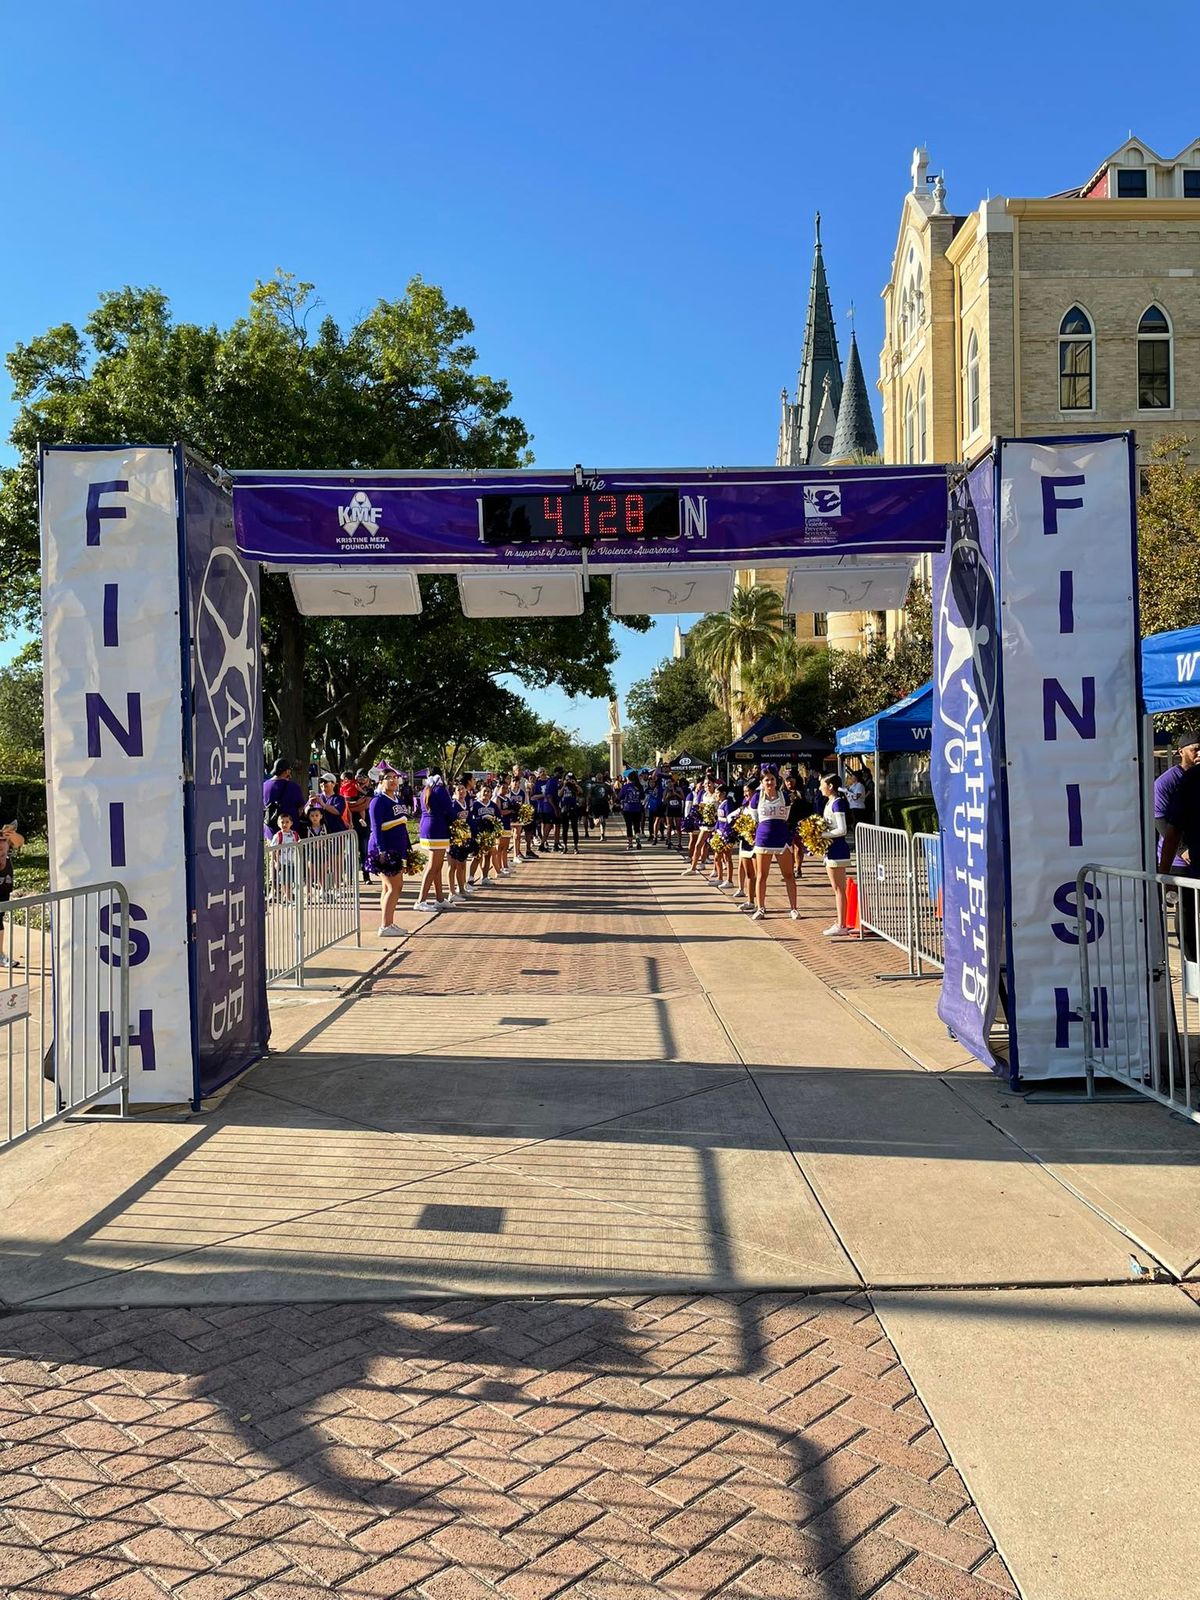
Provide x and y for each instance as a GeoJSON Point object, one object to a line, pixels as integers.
{"type": "Point", "coordinates": [282, 794]}
{"type": "Point", "coordinates": [1166, 789]}
{"type": "Point", "coordinates": [437, 812]}
{"type": "Point", "coordinates": [387, 848]}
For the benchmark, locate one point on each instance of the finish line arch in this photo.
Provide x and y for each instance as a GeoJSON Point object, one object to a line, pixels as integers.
{"type": "Point", "coordinates": [153, 682]}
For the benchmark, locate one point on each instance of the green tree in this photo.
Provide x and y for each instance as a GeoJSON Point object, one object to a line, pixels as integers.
{"type": "Point", "coordinates": [21, 713]}
{"type": "Point", "coordinates": [724, 643]}
{"type": "Point", "coordinates": [1169, 538]}
{"type": "Point", "coordinates": [676, 694]}
{"type": "Point", "coordinates": [702, 737]}
{"type": "Point", "coordinates": [285, 387]}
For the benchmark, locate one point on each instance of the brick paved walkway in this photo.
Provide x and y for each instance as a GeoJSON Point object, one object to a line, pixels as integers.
{"type": "Point", "coordinates": [759, 1447]}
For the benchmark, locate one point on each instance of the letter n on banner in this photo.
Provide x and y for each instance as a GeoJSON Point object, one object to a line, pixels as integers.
{"type": "Point", "coordinates": [1067, 582]}
{"type": "Point", "coordinates": [965, 760]}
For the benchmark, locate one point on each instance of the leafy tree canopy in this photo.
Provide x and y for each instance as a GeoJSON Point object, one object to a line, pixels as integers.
{"type": "Point", "coordinates": [1169, 538]}
{"type": "Point", "coordinates": [21, 713]}
{"type": "Point", "coordinates": [675, 695]}
{"type": "Point", "coordinates": [286, 387]}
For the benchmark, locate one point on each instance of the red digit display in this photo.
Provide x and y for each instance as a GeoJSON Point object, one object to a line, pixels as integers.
{"type": "Point", "coordinates": [635, 515]}
{"type": "Point", "coordinates": [552, 510]}
{"type": "Point", "coordinates": [579, 518]}
{"type": "Point", "coordinates": [608, 516]}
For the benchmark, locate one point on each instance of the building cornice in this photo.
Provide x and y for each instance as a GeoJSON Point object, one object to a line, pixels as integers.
{"type": "Point", "coordinates": [963, 240]}
{"type": "Point", "coordinates": [1165, 208]}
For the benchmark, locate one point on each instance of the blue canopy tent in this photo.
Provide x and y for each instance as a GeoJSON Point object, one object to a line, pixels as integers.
{"type": "Point", "coordinates": [1171, 671]}
{"type": "Point", "coordinates": [897, 730]}
{"type": "Point", "coordinates": [902, 727]}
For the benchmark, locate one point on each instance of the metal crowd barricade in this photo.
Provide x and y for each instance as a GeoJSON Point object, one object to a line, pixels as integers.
{"type": "Point", "coordinates": [883, 859]}
{"type": "Point", "coordinates": [312, 890]}
{"type": "Point", "coordinates": [1140, 972]}
{"type": "Point", "coordinates": [929, 935]}
{"type": "Point", "coordinates": [64, 1007]}
{"type": "Point", "coordinates": [900, 893]}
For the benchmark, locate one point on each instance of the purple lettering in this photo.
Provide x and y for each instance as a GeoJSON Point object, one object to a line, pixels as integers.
{"type": "Point", "coordinates": [1074, 815]}
{"type": "Point", "coordinates": [1052, 505]}
{"type": "Point", "coordinates": [96, 513]}
{"type": "Point", "coordinates": [110, 927]}
{"type": "Point", "coordinates": [1066, 602]}
{"type": "Point", "coordinates": [1065, 1015]}
{"type": "Point", "coordinates": [116, 833]}
{"type": "Point", "coordinates": [99, 711]}
{"type": "Point", "coordinates": [1082, 718]}
{"type": "Point", "coordinates": [1066, 905]}
{"type": "Point", "coordinates": [111, 640]}
{"type": "Point", "coordinates": [143, 1040]}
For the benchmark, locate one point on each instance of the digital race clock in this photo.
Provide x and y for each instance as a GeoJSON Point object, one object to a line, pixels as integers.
{"type": "Point", "coordinates": [584, 517]}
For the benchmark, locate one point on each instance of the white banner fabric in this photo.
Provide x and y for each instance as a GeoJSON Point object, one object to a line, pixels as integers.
{"type": "Point", "coordinates": [114, 730]}
{"type": "Point", "coordinates": [1070, 712]}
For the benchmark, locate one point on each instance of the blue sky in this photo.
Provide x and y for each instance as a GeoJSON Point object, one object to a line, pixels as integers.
{"type": "Point", "coordinates": [621, 194]}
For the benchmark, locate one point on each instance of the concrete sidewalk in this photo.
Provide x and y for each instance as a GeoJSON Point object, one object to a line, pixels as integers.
{"type": "Point", "coordinates": [599, 1079]}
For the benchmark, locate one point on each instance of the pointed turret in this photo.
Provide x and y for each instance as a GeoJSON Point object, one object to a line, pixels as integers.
{"type": "Point", "coordinates": [855, 434]}
{"type": "Point", "coordinates": [819, 363]}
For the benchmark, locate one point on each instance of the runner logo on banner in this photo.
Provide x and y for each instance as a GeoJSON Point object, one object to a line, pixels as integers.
{"type": "Point", "coordinates": [964, 760]}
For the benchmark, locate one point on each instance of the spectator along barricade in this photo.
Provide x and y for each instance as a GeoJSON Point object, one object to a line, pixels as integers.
{"type": "Point", "coordinates": [899, 878]}
{"type": "Point", "coordinates": [312, 889]}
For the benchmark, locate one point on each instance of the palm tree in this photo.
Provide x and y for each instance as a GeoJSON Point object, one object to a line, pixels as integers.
{"type": "Point", "coordinates": [724, 643]}
{"type": "Point", "coordinates": [777, 671]}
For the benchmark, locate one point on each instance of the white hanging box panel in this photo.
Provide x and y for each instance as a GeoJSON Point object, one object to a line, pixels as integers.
{"type": "Point", "coordinates": [664, 590]}
{"type": "Point", "coordinates": [521, 593]}
{"type": "Point", "coordinates": [357, 592]}
{"type": "Point", "coordinates": [851, 584]}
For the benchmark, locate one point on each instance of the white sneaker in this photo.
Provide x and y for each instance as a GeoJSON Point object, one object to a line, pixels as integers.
{"type": "Point", "coordinates": [421, 905]}
{"type": "Point", "coordinates": [795, 916]}
{"type": "Point", "coordinates": [834, 927]}
{"type": "Point", "coordinates": [456, 896]}
{"type": "Point", "coordinates": [469, 889]}
{"type": "Point", "coordinates": [758, 914]}
{"type": "Point", "coordinates": [389, 931]}
{"type": "Point", "coordinates": [687, 872]}
{"type": "Point", "coordinates": [505, 872]}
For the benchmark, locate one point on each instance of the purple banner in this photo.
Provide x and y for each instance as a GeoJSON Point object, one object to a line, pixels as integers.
{"type": "Point", "coordinates": [966, 756]}
{"type": "Point", "coordinates": [225, 840]}
{"type": "Point", "coordinates": [435, 521]}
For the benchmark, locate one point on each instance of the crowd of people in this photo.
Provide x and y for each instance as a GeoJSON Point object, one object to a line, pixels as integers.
{"type": "Point", "coordinates": [474, 831]}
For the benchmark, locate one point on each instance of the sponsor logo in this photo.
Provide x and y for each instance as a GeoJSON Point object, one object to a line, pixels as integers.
{"type": "Point", "coordinates": [227, 639]}
{"type": "Point", "coordinates": [360, 513]}
{"type": "Point", "coordinates": [823, 500]}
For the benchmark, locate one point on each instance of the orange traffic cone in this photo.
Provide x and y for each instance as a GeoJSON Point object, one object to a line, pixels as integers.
{"type": "Point", "coordinates": [852, 905]}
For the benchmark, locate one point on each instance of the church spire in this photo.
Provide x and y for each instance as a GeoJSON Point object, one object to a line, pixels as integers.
{"type": "Point", "coordinates": [855, 433]}
{"type": "Point", "coordinates": [819, 361]}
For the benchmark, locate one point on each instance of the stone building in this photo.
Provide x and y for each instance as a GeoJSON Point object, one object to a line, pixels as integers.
{"type": "Point", "coordinates": [1072, 313]}
{"type": "Point", "coordinates": [827, 420]}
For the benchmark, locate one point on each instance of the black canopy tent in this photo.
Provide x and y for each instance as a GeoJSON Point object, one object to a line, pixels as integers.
{"type": "Point", "coordinates": [685, 762]}
{"type": "Point", "coordinates": [771, 738]}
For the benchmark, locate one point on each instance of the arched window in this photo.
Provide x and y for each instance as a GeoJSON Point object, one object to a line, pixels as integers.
{"type": "Point", "coordinates": [1154, 360]}
{"type": "Point", "coordinates": [971, 395]}
{"type": "Point", "coordinates": [910, 437]}
{"type": "Point", "coordinates": [922, 421]}
{"type": "Point", "coordinates": [1076, 361]}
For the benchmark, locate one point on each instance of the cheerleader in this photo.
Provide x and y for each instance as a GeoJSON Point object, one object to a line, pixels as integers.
{"type": "Point", "coordinates": [436, 811]}
{"type": "Point", "coordinates": [772, 840]}
{"type": "Point", "coordinates": [704, 807]}
{"type": "Point", "coordinates": [462, 838]}
{"type": "Point", "coordinates": [518, 791]}
{"type": "Point", "coordinates": [837, 853]}
{"type": "Point", "coordinates": [388, 848]}
{"type": "Point", "coordinates": [506, 811]}
{"type": "Point", "coordinates": [722, 874]}
{"type": "Point", "coordinates": [485, 814]}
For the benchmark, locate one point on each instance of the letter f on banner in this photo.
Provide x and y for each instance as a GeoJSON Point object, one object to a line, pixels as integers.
{"type": "Point", "coordinates": [1052, 505]}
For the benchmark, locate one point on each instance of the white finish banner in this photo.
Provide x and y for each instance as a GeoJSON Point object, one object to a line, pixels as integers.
{"type": "Point", "coordinates": [114, 730]}
{"type": "Point", "coordinates": [1067, 578]}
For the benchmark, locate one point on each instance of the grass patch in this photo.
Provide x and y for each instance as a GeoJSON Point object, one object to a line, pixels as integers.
{"type": "Point", "coordinates": [31, 866]}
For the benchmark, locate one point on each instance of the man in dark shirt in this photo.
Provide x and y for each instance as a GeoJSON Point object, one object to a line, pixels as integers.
{"type": "Point", "coordinates": [1181, 822]}
{"type": "Point", "coordinates": [282, 794]}
{"type": "Point", "coordinates": [1165, 788]}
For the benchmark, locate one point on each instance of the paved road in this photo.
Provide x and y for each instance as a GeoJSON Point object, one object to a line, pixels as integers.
{"type": "Point", "coordinates": [598, 1244]}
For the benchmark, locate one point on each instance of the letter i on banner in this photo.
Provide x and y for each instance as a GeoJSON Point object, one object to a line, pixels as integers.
{"type": "Point", "coordinates": [115, 737]}
{"type": "Point", "coordinates": [1067, 580]}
